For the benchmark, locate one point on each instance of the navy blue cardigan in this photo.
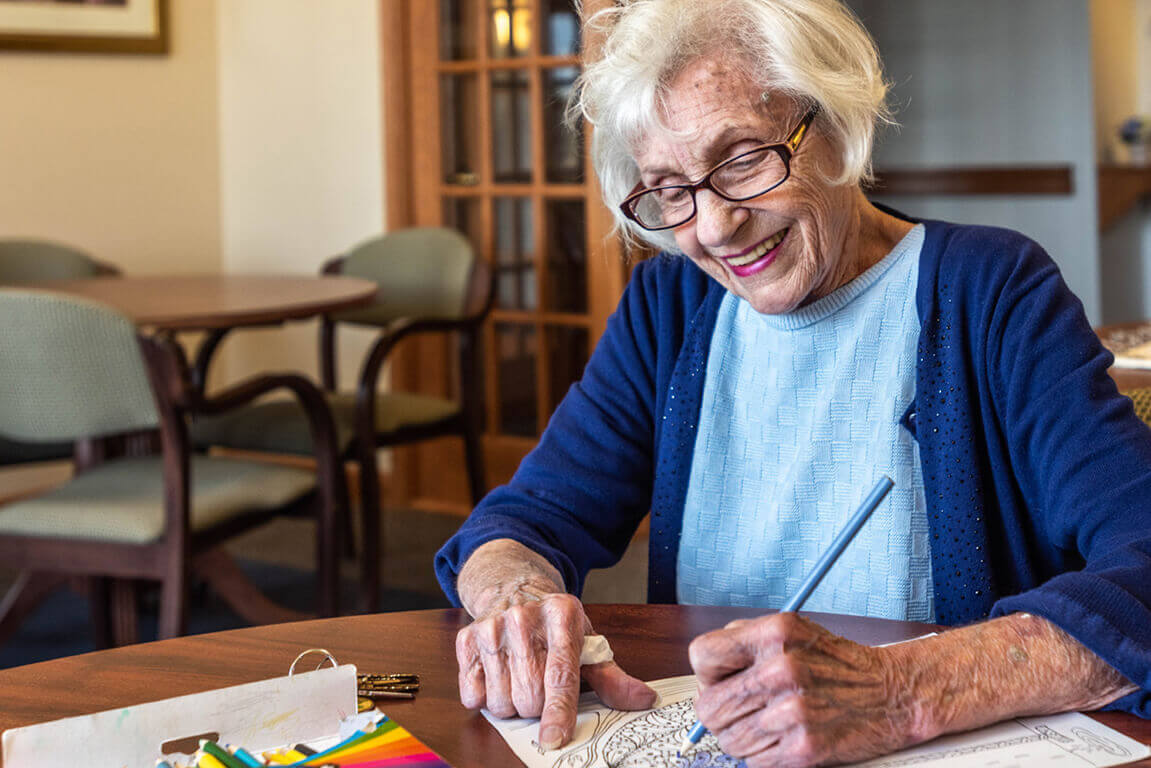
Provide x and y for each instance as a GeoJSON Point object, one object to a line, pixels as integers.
{"type": "Point", "coordinates": [1037, 472]}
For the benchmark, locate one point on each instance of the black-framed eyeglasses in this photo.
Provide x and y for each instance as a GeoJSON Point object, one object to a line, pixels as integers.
{"type": "Point", "coordinates": [743, 177]}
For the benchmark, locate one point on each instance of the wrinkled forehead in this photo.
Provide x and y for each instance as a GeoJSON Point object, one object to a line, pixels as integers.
{"type": "Point", "coordinates": [708, 102]}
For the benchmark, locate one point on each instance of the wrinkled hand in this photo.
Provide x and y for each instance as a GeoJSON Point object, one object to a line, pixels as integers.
{"type": "Point", "coordinates": [782, 691]}
{"type": "Point", "coordinates": [522, 658]}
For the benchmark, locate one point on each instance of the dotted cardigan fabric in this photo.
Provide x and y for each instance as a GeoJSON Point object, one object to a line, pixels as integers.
{"type": "Point", "coordinates": [1037, 472]}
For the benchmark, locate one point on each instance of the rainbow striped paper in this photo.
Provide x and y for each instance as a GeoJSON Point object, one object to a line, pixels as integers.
{"type": "Point", "coordinates": [389, 745]}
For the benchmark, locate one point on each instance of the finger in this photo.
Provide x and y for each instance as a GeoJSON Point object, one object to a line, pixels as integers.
{"type": "Point", "coordinates": [525, 642]}
{"type": "Point", "coordinates": [565, 622]}
{"type": "Point", "coordinates": [759, 686]}
{"type": "Point", "coordinates": [729, 701]}
{"type": "Point", "coordinates": [717, 655]}
{"type": "Point", "coordinates": [755, 739]}
{"type": "Point", "coordinates": [471, 669]}
{"type": "Point", "coordinates": [617, 688]}
{"type": "Point", "coordinates": [721, 653]}
{"type": "Point", "coordinates": [497, 684]}
{"type": "Point", "coordinates": [772, 736]}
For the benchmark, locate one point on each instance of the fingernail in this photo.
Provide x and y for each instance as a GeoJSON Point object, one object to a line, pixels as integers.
{"type": "Point", "coordinates": [551, 737]}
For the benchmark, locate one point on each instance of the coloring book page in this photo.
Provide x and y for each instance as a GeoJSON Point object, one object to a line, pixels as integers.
{"type": "Point", "coordinates": [608, 738]}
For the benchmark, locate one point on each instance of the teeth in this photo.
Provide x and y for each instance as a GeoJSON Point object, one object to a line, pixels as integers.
{"type": "Point", "coordinates": [759, 251]}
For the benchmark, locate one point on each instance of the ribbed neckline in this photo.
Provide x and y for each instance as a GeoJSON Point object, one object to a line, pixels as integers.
{"type": "Point", "coordinates": [821, 309]}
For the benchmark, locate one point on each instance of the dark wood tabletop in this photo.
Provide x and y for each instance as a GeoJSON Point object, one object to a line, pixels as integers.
{"type": "Point", "coordinates": [207, 302]}
{"type": "Point", "coordinates": [650, 641]}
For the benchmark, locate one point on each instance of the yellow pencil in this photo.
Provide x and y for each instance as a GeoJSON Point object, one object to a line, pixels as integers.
{"type": "Point", "coordinates": [284, 757]}
{"type": "Point", "coordinates": [207, 761]}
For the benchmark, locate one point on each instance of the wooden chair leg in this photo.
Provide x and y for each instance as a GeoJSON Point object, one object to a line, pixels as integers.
{"type": "Point", "coordinates": [474, 458]}
{"type": "Point", "coordinates": [217, 567]}
{"type": "Point", "coordinates": [370, 527]}
{"type": "Point", "coordinates": [22, 598]}
{"type": "Point", "coordinates": [124, 612]}
{"type": "Point", "coordinates": [348, 547]}
{"type": "Point", "coordinates": [174, 600]}
{"type": "Point", "coordinates": [100, 601]}
{"type": "Point", "coordinates": [331, 532]}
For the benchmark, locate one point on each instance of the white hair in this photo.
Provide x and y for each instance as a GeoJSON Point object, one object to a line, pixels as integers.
{"type": "Point", "coordinates": [814, 51]}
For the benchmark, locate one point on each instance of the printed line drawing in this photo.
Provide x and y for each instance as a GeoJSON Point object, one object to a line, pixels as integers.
{"type": "Point", "coordinates": [607, 738]}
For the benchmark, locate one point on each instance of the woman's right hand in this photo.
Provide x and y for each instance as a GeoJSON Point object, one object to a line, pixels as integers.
{"type": "Point", "coordinates": [521, 657]}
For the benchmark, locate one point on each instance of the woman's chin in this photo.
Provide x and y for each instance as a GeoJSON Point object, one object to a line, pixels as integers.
{"type": "Point", "coordinates": [767, 302]}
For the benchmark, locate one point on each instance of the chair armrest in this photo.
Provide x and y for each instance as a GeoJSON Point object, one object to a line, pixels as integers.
{"type": "Point", "coordinates": [392, 334]}
{"type": "Point", "coordinates": [178, 396]}
{"type": "Point", "coordinates": [307, 394]}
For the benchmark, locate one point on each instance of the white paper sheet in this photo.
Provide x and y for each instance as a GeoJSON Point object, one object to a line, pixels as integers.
{"type": "Point", "coordinates": [607, 738]}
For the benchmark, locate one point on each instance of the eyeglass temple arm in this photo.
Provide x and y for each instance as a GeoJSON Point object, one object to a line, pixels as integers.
{"type": "Point", "coordinates": [800, 131]}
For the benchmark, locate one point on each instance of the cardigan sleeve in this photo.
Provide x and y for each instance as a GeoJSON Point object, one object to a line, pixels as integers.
{"type": "Point", "coordinates": [1082, 459]}
{"type": "Point", "coordinates": [578, 497]}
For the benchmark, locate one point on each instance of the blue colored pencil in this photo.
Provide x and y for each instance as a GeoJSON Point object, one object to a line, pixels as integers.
{"type": "Point", "coordinates": [697, 730]}
{"type": "Point", "coordinates": [245, 757]}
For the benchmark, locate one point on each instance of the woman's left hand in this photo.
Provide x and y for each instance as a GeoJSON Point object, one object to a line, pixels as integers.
{"type": "Point", "coordinates": [783, 691]}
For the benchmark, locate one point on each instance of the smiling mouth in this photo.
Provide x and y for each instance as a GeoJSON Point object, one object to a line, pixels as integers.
{"type": "Point", "coordinates": [758, 257]}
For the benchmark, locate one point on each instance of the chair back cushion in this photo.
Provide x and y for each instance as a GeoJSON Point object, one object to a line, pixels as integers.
{"type": "Point", "coordinates": [421, 272]}
{"type": "Point", "coordinates": [26, 261]}
{"type": "Point", "coordinates": [69, 369]}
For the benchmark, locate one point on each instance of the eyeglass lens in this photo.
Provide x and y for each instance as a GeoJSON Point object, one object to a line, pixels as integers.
{"type": "Point", "coordinates": [741, 178]}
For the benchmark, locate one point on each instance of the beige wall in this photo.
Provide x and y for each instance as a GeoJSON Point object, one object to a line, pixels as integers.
{"type": "Point", "coordinates": [117, 154]}
{"type": "Point", "coordinates": [300, 155]}
{"type": "Point", "coordinates": [254, 146]}
{"type": "Point", "coordinates": [1143, 42]}
{"type": "Point", "coordinates": [1115, 61]}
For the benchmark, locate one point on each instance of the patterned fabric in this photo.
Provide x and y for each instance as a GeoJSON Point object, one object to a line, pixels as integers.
{"type": "Point", "coordinates": [69, 369]}
{"type": "Point", "coordinates": [422, 272]}
{"type": "Point", "coordinates": [1141, 399]}
{"type": "Point", "coordinates": [123, 500]}
{"type": "Point", "coordinates": [800, 414]}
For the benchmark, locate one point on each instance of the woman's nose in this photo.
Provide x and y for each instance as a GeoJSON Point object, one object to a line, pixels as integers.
{"type": "Point", "coordinates": [716, 219]}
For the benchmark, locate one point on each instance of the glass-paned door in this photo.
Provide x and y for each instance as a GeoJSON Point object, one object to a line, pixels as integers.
{"type": "Point", "coordinates": [492, 156]}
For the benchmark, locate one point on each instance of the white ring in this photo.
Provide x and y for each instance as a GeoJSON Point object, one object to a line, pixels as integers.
{"type": "Point", "coordinates": [328, 654]}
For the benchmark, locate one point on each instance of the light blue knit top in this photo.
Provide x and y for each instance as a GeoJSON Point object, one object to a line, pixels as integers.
{"type": "Point", "coordinates": [799, 418]}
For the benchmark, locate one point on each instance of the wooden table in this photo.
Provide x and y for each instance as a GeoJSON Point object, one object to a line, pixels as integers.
{"type": "Point", "coordinates": [209, 302]}
{"type": "Point", "coordinates": [217, 303]}
{"type": "Point", "coordinates": [650, 641]}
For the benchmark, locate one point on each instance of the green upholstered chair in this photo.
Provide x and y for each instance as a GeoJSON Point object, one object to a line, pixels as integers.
{"type": "Point", "coordinates": [72, 369]}
{"type": "Point", "coordinates": [429, 282]}
{"type": "Point", "coordinates": [28, 261]}
{"type": "Point", "coordinates": [24, 261]}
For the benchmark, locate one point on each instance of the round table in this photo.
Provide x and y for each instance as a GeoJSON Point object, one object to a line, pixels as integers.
{"type": "Point", "coordinates": [650, 641]}
{"type": "Point", "coordinates": [212, 302]}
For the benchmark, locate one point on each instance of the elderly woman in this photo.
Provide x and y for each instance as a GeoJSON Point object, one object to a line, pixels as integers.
{"type": "Point", "coordinates": [793, 343]}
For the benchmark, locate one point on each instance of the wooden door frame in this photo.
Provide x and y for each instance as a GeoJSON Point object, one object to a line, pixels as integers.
{"type": "Point", "coordinates": [399, 19]}
{"type": "Point", "coordinates": [396, 133]}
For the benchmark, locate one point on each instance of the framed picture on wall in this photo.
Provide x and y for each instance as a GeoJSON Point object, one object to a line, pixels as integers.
{"type": "Point", "coordinates": [88, 26]}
